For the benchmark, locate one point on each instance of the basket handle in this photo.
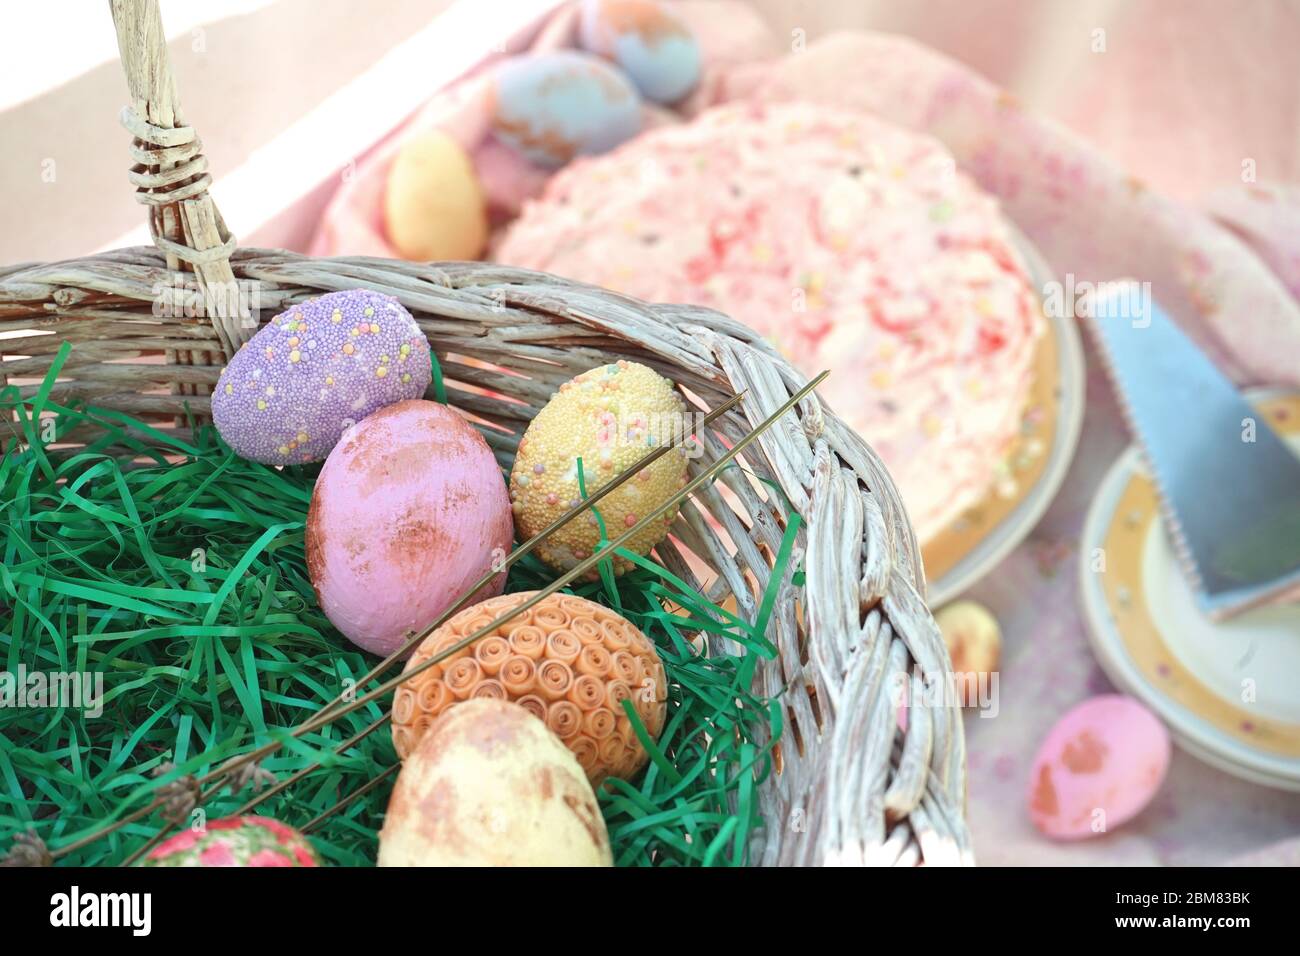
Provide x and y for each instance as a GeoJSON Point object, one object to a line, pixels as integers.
{"type": "Point", "coordinates": [170, 173]}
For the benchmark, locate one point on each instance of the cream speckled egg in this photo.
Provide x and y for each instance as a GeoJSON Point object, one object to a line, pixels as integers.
{"type": "Point", "coordinates": [433, 203]}
{"type": "Point", "coordinates": [610, 417]}
{"type": "Point", "coordinates": [489, 785]}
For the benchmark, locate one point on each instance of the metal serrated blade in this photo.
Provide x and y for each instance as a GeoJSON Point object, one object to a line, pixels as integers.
{"type": "Point", "coordinates": [1229, 487]}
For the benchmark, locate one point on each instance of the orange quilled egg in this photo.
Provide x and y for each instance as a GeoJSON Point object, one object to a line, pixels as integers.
{"type": "Point", "coordinates": [568, 661]}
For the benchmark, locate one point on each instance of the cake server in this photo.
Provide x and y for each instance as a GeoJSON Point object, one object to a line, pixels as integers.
{"type": "Point", "coordinates": [1229, 487]}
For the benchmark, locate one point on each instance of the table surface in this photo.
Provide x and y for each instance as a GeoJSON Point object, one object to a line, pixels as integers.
{"type": "Point", "coordinates": [1201, 815]}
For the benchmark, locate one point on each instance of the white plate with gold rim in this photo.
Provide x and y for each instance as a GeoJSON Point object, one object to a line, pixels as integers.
{"type": "Point", "coordinates": [1031, 470]}
{"type": "Point", "coordinates": [1229, 692]}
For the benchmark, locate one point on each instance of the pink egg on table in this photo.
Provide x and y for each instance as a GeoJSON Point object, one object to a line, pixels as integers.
{"type": "Point", "coordinates": [1099, 767]}
{"type": "Point", "coordinates": [409, 511]}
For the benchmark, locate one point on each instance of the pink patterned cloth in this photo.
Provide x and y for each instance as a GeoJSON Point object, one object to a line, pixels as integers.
{"type": "Point", "coordinates": [1227, 268]}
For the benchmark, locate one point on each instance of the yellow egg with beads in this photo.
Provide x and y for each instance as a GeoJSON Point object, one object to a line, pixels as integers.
{"type": "Point", "coordinates": [608, 418]}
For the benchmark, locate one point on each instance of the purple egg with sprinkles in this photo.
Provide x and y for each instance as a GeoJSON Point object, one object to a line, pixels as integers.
{"type": "Point", "coordinates": [315, 370]}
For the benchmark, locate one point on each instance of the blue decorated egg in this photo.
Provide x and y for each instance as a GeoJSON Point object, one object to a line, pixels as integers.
{"type": "Point", "coordinates": [554, 106]}
{"type": "Point", "coordinates": [315, 370]}
{"type": "Point", "coordinates": [650, 42]}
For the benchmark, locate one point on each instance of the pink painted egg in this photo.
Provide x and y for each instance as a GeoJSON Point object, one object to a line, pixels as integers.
{"type": "Point", "coordinates": [409, 511]}
{"type": "Point", "coordinates": [236, 841]}
{"type": "Point", "coordinates": [1098, 768]}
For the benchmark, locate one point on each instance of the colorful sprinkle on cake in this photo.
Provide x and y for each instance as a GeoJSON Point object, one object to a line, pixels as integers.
{"type": "Point", "coordinates": [851, 244]}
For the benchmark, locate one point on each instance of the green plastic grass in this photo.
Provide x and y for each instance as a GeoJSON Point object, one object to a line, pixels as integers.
{"type": "Point", "coordinates": [183, 581]}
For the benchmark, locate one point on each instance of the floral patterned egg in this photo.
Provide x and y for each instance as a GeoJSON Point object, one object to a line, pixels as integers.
{"type": "Point", "coordinates": [236, 841]}
{"type": "Point", "coordinates": [567, 661]}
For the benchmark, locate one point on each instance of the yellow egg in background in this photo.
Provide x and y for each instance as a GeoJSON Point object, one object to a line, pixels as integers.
{"type": "Point", "coordinates": [974, 641]}
{"type": "Point", "coordinates": [433, 203]}
{"type": "Point", "coordinates": [610, 417]}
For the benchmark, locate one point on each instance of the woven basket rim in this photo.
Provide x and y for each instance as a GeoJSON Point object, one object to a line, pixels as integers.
{"type": "Point", "coordinates": [852, 786]}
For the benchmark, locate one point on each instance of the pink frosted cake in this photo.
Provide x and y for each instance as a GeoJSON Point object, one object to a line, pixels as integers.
{"type": "Point", "coordinates": [850, 244]}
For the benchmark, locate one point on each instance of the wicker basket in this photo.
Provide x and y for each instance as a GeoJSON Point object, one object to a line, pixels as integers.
{"type": "Point", "coordinates": [851, 787]}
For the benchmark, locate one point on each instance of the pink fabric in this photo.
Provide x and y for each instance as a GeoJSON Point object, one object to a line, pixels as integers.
{"type": "Point", "coordinates": [1182, 97]}
{"type": "Point", "coordinates": [1141, 173]}
{"type": "Point", "coordinates": [1268, 219]}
